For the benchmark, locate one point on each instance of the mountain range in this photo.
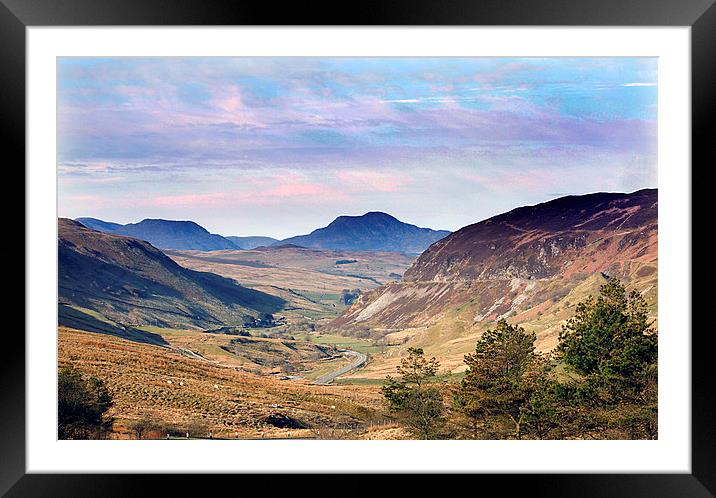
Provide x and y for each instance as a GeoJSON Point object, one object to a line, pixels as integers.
{"type": "Point", "coordinates": [373, 231]}
{"type": "Point", "coordinates": [531, 263]}
{"type": "Point", "coordinates": [129, 281]}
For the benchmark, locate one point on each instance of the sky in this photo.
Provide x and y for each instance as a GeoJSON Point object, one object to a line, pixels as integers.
{"type": "Point", "coordinates": [279, 146]}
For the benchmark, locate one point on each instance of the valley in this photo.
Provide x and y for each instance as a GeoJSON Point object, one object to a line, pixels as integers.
{"type": "Point", "coordinates": [312, 282]}
{"type": "Point", "coordinates": [325, 324]}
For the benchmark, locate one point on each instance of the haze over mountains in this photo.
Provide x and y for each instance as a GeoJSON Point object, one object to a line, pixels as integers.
{"type": "Point", "coordinates": [373, 231]}
{"type": "Point", "coordinates": [129, 281]}
{"type": "Point", "coordinates": [252, 242]}
{"type": "Point", "coordinates": [531, 263]}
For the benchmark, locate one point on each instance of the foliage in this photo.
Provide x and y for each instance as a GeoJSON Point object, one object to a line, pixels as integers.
{"type": "Point", "coordinates": [502, 374]}
{"type": "Point", "coordinates": [81, 406]}
{"type": "Point", "coordinates": [606, 388]}
{"type": "Point", "coordinates": [414, 398]}
{"type": "Point", "coordinates": [611, 341]}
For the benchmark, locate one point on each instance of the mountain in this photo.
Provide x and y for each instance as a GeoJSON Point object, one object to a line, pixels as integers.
{"type": "Point", "coordinates": [531, 265]}
{"type": "Point", "coordinates": [102, 226]}
{"type": "Point", "coordinates": [543, 240]}
{"type": "Point", "coordinates": [373, 231]}
{"type": "Point", "coordinates": [252, 242]}
{"type": "Point", "coordinates": [129, 281]}
{"type": "Point", "coordinates": [165, 234]}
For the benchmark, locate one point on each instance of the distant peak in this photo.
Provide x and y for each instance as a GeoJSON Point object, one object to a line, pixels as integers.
{"type": "Point", "coordinates": [378, 214]}
{"type": "Point", "coordinates": [370, 215]}
{"type": "Point", "coordinates": [160, 220]}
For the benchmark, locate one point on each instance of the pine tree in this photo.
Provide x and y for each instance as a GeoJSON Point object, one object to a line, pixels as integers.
{"type": "Point", "coordinates": [413, 398]}
{"type": "Point", "coordinates": [499, 379]}
{"type": "Point", "coordinates": [611, 340]}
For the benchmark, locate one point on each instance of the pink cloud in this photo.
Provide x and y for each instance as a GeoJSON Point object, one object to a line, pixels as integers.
{"type": "Point", "coordinates": [229, 103]}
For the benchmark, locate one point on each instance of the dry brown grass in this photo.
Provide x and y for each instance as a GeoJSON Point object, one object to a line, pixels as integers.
{"type": "Point", "coordinates": [258, 355]}
{"type": "Point", "coordinates": [173, 390]}
{"type": "Point", "coordinates": [388, 431]}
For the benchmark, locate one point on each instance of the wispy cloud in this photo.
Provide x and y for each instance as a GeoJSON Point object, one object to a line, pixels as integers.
{"type": "Point", "coordinates": [638, 84]}
{"type": "Point", "coordinates": [247, 140]}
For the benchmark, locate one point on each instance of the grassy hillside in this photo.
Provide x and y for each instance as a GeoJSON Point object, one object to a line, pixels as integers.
{"type": "Point", "coordinates": [131, 282]}
{"type": "Point", "coordinates": [455, 332]}
{"type": "Point", "coordinates": [181, 391]}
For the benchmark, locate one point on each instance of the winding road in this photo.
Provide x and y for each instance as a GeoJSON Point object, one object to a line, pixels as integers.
{"type": "Point", "coordinates": [359, 359]}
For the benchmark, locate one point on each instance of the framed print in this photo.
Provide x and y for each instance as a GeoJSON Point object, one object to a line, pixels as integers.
{"type": "Point", "coordinates": [423, 239]}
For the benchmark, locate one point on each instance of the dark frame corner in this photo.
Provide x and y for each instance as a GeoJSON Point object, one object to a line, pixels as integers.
{"type": "Point", "coordinates": [700, 15]}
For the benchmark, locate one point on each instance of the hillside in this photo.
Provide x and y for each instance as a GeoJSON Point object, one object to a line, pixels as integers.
{"type": "Point", "coordinates": [128, 281]}
{"type": "Point", "coordinates": [185, 393]}
{"type": "Point", "coordinates": [252, 242]}
{"type": "Point", "coordinates": [543, 240]}
{"type": "Point", "coordinates": [165, 234]}
{"type": "Point", "coordinates": [102, 226]}
{"type": "Point", "coordinates": [530, 265]}
{"type": "Point", "coordinates": [372, 231]}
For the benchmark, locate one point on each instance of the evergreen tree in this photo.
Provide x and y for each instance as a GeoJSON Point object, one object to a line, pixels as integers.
{"type": "Point", "coordinates": [610, 340]}
{"type": "Point", "coordinates": [500, 378]}
{"type": "Point", "coordinates": [605, 385]}
{"type": "Point", "coordinates": [413, 397]}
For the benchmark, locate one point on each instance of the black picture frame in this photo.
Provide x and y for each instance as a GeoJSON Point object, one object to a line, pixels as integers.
{"type": "Point", "coordinates": [700, 15]}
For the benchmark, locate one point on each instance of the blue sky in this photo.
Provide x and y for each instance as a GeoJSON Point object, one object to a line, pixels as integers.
{"type": "Point", "coordinates": [280, 146]}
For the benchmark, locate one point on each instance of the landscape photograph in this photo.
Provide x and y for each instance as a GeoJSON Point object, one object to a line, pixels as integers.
{"type": "Point", "coordinates": [357, 248]}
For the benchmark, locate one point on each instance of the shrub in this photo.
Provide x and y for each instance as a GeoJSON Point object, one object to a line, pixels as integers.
{"type": "Point", "coordinates": [81, 406]}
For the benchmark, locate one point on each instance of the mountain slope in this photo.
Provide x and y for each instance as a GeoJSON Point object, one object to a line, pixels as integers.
{"type": "Point", "coordinates": [530, 265]}
{"type": "Point", "coordinates": [373, 231]}
{"type": "Point", "coordinates": [129, 281]}
{"type": "Point", "coordinates": [165, 234]}
{"type": "Point", "coordinates": [102, 226]}
{"type": "Point", "coordinates": [543, 240]}
{"type": "Point", "coordinates": [252, 242]}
